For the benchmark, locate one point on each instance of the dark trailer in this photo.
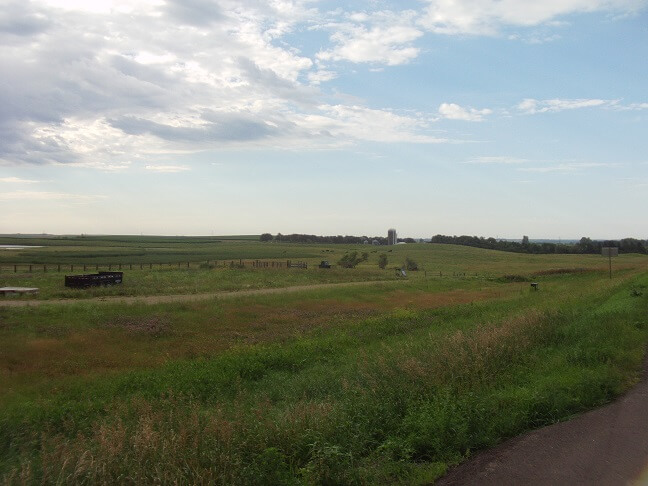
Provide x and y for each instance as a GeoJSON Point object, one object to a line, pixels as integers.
{"type": "Point", "coordinates": [93, 280]}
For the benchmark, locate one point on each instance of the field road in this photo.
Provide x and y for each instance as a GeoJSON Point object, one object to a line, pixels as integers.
{"type": "Point", "coordinates": [163, 299]}
{"type": "Point", "coordinates": [607, 446]}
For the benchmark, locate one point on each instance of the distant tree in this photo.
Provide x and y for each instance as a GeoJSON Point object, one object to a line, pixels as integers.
{"type": "Point", "coordinates": [382, 261]}
{"type": "Point", "coordinates": [265, 237]}
{"type": "Point", "coordinates": [586, 245]}
{"type": "Point", "coordinates": [349, 260]}
{"type": "Point", "coordinates": [631, 245]}
{"type": "Point", "coordinates": [410, 264]}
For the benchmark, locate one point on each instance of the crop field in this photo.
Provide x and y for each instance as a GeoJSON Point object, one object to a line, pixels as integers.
{"type": "Point", "coordinates": [275, 375]}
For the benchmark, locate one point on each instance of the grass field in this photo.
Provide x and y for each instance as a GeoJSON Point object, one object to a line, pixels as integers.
{"type": "Point", "coordinates": [388, 382]}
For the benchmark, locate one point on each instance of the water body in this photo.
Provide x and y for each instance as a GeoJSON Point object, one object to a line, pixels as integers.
{"type": "Point", "coordinates": [18, 247]}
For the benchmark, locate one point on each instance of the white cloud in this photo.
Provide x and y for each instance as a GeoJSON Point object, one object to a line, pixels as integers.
{"type": "Point", "coordinates": [321, 76]}
{"type": "Point", "coordinates": [531, 106]}
{"type": "Point", "coordinates": [114, 83]}
{"type": "Point", "coordinates": [343, 124]}
{"type": "Point", "coordinates": [452, 111]}
{"type": "Point", "coordinates": [489, 17]}
{"type": "Point", "coordinates": [383, 37]}
{"type": "Point", "coordinates": [168, 169]}
{"type": "Point", "coordinates": [17, 180]}
{"type": "Point", "coordinates": [632, 107]}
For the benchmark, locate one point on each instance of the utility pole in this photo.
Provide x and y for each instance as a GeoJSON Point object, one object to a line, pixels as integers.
{"type": "Point", "coordinates": [610, 251]}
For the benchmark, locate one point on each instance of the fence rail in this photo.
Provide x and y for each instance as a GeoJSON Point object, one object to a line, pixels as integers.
{"type": "Point", "coordinates": [84, 267]}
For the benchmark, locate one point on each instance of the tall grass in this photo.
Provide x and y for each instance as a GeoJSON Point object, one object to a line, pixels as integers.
{"type": "Point", "coordinates": [391, 398]}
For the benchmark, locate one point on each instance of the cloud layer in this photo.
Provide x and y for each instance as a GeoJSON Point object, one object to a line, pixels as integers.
{"type": "Point", "coordinates": [111, 83]}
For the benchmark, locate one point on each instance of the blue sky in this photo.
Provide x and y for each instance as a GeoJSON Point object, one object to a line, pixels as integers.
{"type": "Point", "coordinates": [483, 117]}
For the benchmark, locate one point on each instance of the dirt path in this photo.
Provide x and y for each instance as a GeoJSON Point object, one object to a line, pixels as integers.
{"type": "Point", "coordinates": [163, 299]}
{"type": "Point", "coordinates": [607, 446]}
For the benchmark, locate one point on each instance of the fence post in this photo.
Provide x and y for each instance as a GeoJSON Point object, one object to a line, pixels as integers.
{"type": "Point", "coordinates": [130, 266]}
{"type": "Point", "coordinates": [44, 268]}
{"type": "Point", "coordinates": [187, 264]}
{"type": "Point", "coordinates": [58, 267]}
{"type": "Point", "coordinates": [151, 266]}
{"type": "Point", "coordinates": [109, 267]}
{"type": "Point", "coordinates": [120, 266]}
{"type": "Point", "coordinates": [15, 268]}
{"type": "Point", "coordinates": [71, 268]}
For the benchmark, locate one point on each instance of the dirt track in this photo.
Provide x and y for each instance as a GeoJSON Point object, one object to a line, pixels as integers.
{"type": "Point", "coordinates": [607, 446]}
{"type": "Point", "coordinates": [163, 299]}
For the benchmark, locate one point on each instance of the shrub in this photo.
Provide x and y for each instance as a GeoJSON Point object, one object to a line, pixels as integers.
{"type": "Point", "coordinates": [350, 260]}
{"type": "Point", "coordinates": [382, 261]}
{"type": "Point", "coordinates": [410, 264]}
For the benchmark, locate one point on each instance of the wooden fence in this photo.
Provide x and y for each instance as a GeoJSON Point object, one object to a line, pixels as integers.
{"type": "Point", "coordinates": [84, 267]}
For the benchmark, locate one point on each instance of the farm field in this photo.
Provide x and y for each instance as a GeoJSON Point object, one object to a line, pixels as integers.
{"type": "Point", "coordinates": [390, 381]}
{"type": "Point", "coordinates": [176, 265]}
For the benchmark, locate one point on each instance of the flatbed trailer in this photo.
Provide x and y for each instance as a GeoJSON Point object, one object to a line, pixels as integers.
{"type": "Point", "coordinates": [93, 279]}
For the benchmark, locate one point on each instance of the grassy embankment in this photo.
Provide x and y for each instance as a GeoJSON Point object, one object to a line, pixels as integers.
{"type": "Point", "coordinates": [380, 384]}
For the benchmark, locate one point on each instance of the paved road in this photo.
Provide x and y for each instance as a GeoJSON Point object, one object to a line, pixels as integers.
{"type": "Point", "coordinates": [607, 446]}
{"type": "Point", "coordinates": [161, 299]}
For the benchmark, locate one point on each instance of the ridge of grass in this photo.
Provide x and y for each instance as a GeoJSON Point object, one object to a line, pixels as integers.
{"type": "Point", "coordinates": [387, 399]}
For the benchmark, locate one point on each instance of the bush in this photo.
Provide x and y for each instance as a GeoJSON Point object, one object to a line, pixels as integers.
{"type": "Point", "coordinates": [350, 260]}
{"type": "Point", "coordinates": [382, 261]}
{"type": "Point", "coordinates": [411, 265]}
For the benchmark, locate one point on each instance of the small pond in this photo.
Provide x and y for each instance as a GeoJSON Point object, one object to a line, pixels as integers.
{"type": "Point", "coordinates": [18, 247]}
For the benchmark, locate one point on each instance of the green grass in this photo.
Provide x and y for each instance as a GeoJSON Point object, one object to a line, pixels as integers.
{"type": "Point", "coordinates": [169, 274]}
{"type": "Point", "coordinates": [195, 280]}
{"type": "Point", "coordinates": [388, 383]}
{"type": "Point", "coordinates": [146, 250]}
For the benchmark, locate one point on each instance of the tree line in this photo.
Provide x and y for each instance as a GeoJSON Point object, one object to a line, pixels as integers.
{"type": "Point", "coordinates": [584, 245]}
{"type": "Point", "coordinates": [339, 239]}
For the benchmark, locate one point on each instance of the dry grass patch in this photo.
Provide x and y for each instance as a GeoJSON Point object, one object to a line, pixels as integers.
{"type": "Point", "coordinates": [433, 300]}
{"type": "Point", "coordinates": [563, 271]}
{"type": "Point", "coordinates": [150, 325]}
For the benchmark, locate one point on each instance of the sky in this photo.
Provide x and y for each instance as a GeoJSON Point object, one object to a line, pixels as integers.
{"type": "Point", "coordinates": [494, 118]}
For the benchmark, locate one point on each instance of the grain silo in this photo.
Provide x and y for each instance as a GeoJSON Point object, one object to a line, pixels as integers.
{"type": "Point", "coordinates": [392, 239]}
